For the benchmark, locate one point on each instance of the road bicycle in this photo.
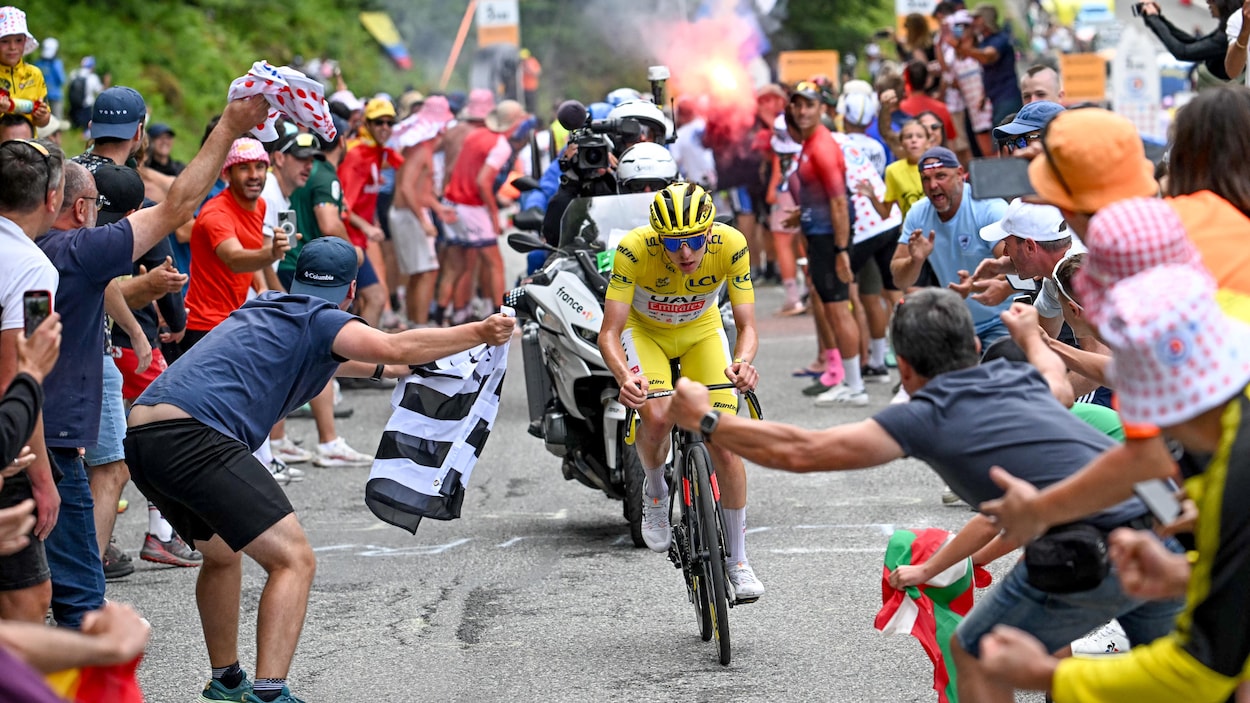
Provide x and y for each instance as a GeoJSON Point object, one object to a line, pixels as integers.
{"type": "Point", "coordinates": [698, 546]}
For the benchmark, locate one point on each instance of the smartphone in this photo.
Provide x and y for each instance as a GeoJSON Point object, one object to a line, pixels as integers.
{"type": "Point", "coordinates": [286, 222]}
{"type": "Point", "coordinates": [36, 306]}
{"type": "Point", "coordinates": [1137, 8]}
{"type": "Point", "coordinates": [1005, 178]}
{"type": "Point", "coordinates": [1160, 498]}
{"type": "Point", "coordinates": [1024, 285]}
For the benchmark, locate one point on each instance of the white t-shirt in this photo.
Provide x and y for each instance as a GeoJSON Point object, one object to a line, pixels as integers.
{"type": "Point", "coordinates": [859, 167]}
{"type": "Point", "coordinates": [1048, 302]}
{"type": "Point", "coordinates": [694, 160]}
{"type": "Point", "coordinates": [275, 202]}
{"type": "Point", "coordinates": [23, 267]}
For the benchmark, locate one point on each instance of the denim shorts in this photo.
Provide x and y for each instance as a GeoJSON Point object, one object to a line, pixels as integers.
{"type": "Point", "coordinates": [112, 420]}
{"type": "Point", "coordinates": [1059, 618]}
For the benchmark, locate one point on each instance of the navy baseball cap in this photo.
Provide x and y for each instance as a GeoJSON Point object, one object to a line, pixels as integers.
{"type": "Point", "coordinates": [325, 269]}
{"type": "Point", "coordinates": [117, 113]}
{"type": "Point", "coordinates": [938, 157]}
{"type": "Point", "coordinates": [160, 129]}
{"type": "Point", "coordinates": [1031, 118]}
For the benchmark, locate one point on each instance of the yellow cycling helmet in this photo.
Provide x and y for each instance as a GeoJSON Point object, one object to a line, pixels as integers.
{"type": "Point", "coordinates": [682, 210]}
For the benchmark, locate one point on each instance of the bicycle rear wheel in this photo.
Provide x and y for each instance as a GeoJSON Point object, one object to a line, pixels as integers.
{"type": "Point", "coordinates": [710, 553]}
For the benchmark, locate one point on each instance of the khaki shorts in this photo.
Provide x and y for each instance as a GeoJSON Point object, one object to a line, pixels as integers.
{"type": "Point", "coordinates": [960, 142]}
{"type": "Point", "coordinates": [414, 249]}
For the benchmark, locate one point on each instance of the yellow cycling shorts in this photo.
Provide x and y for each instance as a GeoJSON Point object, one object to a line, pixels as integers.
{"type": "Point", "coordinates": [701, 348]}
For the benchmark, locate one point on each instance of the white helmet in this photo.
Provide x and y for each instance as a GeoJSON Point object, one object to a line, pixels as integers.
{"type": "Point", "coordinates": [649, 114]}
{"type": "Point", "coordinates": [621, 95]}
{"type": "Point", "coordinates": [645, 164]}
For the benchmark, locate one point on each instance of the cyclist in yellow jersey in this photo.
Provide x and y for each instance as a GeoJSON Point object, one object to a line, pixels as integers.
{"type": "Point", "coordinates": [662, 305]}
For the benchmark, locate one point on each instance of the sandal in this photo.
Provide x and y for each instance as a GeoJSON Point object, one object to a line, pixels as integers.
{"type": "Point", "coordinates": [806, 372]}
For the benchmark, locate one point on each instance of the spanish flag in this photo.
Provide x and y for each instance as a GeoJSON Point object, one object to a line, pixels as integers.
{"type": "Point", "coordinates": [99, 684]}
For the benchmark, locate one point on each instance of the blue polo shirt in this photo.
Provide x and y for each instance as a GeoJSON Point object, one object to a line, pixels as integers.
{"type": "Point", "coordinates": [268, 358]}
{"type": "Point", "coordinates": [957, 245]}
{"type": "Point", "coordinates": [87, 260]}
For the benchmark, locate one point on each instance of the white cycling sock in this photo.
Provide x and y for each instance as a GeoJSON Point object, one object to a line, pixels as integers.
{"type": "Point", "coordinates": [158, 526]}
{"type": "Point", "coordinates": [264, 454]}
{"type": "Point", "coordinates": [735, 535]}
{"type": "Point", "coordinates": [854, 376]}
{"type": "Point", "coordinates": [876, 352]}
{"type": "Point", "coordinates": [657, 487]}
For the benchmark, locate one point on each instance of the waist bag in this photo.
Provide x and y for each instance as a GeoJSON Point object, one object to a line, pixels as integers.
{"type": "Point", "coordinates": [1067, 559]}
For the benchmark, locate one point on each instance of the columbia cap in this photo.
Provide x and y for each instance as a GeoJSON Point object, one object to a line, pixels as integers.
{"type": "Point", "coordinates": [325, 269]}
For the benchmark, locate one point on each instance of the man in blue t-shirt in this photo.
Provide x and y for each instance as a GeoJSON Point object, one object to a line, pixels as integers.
{"type": "Point", "coordinates": [192, 434]}
{"type": "Point", "coordinates": [87, 259]}
{"type": "Point", "coordinates": [944, 228]}
{"type": "Point", "coordinates": [962, 420]}
{"type": "Point", "coordinates": [997, 56]}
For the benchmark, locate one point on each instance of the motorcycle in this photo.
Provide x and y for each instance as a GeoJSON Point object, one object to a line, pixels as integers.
{"type": "Point", "coordinates": [571, 394]}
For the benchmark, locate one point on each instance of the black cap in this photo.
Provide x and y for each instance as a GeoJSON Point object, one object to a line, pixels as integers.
{"type": "Point", "coordinates": [300, 145]}
{"type": "Point", "coordinates": [121, 190]}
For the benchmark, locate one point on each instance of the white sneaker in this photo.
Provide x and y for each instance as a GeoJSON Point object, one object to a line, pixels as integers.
{"type": "Point", "coordinates": [900, 397]}
{"type": "Point", "coordinates": [841, 394]}
{"type": "Point", "coordinates": [337, 453]}
{"type": "Point", "coordinates": [747, 588]}
{"type": "Point", "coordinates": [296, 475]}
{"type": "Point", "coordinates": [279, 472]}
{"type": "Point", "coordinates": [1108, 639]}
{"type": "Point", "coordinates": [656, 530]}
{"type": "Point", "coordinates": [289, 452]}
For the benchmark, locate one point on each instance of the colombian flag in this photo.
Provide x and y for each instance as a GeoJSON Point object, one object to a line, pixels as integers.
{"type": "Point", "coordinates": [929, 612]}
{"type": "Point", "coordinates": [98, 684]}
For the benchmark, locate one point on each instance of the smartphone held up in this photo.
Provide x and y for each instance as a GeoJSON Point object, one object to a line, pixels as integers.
{"type": "Point", "coordinates": [36, 307]}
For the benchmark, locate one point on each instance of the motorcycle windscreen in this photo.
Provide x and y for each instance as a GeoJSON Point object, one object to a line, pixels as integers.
{"type": "Point", "coordinates": [599, 223]}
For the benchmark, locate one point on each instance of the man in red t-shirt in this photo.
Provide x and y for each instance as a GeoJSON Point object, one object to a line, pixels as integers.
{"type": "Point", "coordinates": [360, 174]}
{"type": "Point", "coordinates": [228, 242]}
{"type": "Point", "coordinates": [471, 191]}
{"type": "Point", "coordinates": [917, 101]}
{"type": "Point", "coordinates": [824, 217]}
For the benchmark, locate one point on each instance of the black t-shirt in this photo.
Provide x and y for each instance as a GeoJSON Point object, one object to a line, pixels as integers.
{"type": "Point", "coordinates": [1000, 413]}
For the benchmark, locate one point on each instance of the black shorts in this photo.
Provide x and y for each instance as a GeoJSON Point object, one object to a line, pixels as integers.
{"type": "Point", "coordinates": [928, 277]}
{"type": "Point", "coordinates": [28, 567]}
{"type": "Point", "coordinates": [881, 250]}
{"type": "Point", "coordinates": [822, 269]}
{"type": "Point", "coordinates": [204, 482]}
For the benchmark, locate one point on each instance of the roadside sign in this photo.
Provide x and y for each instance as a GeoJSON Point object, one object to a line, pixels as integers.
{"type": "Point", "coordinates": [795, 66]}
{"type": "Point", "coordinates": [1084, 77]}
{"type": "Point", "coordinates": [498, 22]}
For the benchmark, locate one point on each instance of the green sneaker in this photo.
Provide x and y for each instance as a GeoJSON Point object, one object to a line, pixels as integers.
{"type": "Point", "coordinates": [217, 691]}
{"type": "Point", "coordinates": [284, 697]}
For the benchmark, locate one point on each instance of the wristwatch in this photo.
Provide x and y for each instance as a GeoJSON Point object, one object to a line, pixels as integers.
{"type": "Point", "coordinates": [377, 373]}
{"type": "Point", "coordinates": [708, 424]}
{"type": "Point", "coordinates": [838, 250]}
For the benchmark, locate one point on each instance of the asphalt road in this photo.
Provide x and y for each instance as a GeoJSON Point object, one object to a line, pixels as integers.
{"type": "Point", "coordinates": [536, 594]}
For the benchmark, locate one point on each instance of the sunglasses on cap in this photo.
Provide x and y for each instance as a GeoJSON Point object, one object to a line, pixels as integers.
{"type": "Point", "coordinates": [303, 140]}
{"type": "Point", "coordinates": [1054, 276]}
{"type": "Point", "coordinates": [1018, 142]}
{"type": "Point", "coordinates": [694, 241]}
{"type": "Point", "coordinates": [43, 152]}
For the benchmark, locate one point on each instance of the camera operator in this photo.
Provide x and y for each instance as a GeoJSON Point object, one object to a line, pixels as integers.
{"type": "Point", "coordinates": [589, 162]}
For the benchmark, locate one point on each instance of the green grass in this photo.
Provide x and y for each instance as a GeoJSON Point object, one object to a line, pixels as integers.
{"type": "Point", "coordinates": [182, 56]}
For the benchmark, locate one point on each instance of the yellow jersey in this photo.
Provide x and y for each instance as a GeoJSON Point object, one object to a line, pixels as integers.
{"type": "Point", "coordinates": [660, 295]}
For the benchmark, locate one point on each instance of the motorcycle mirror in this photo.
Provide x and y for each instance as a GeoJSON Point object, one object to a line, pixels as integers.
{"type": "Point", "coordinates": [524, 243]}
{"type": "Point", "coordinates": [525, 184]}
{"type": "Point", "coordinates": [530, 219]}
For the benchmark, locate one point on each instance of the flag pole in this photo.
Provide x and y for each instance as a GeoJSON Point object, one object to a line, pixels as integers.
{"type": "Point", "coordinates": [455, 49]}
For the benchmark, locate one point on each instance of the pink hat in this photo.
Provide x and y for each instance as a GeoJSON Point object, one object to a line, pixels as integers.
{"type": "Point", "coordinates": [244, 150]}
{"type": "Point", "coordinates": [1175, 353]}
{"type": "Point", "coordinates": [1126, 238]}
{"type": "Point", "coordinates": [427, 123]}
{"type": "Point", "coordinates": [481, 102]}
{"type": "Point", "coordinates": [13, 21]}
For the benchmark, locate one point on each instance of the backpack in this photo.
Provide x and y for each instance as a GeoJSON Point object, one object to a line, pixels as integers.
{"type": "Point", "coordinates": [77, 93]}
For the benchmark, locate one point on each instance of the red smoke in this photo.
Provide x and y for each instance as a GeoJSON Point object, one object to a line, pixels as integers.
{"type": "Point", "coordinates": [703, 58]}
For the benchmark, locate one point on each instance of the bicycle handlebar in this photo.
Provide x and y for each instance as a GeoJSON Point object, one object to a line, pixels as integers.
{"type": "Point", "coordinates": [753, 406]}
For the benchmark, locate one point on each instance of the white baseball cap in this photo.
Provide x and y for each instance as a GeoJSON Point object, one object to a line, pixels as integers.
{"type": "Point", "coordinates": [1041, 223]}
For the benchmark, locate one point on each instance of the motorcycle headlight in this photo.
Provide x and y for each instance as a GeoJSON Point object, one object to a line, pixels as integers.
{"type": "Point", "coordinates": [588, 335]}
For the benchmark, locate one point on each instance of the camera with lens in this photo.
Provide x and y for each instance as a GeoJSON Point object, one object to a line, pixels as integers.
{"type": "Point", "coordinates": [599, 137]}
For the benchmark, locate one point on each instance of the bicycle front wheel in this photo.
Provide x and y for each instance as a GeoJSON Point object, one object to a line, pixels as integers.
{"type": "Point", "coordinates": [710, 551]}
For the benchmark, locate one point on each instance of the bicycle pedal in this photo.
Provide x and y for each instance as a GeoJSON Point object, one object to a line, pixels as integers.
{"type": "Point", "coordinates": [742, 601]}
